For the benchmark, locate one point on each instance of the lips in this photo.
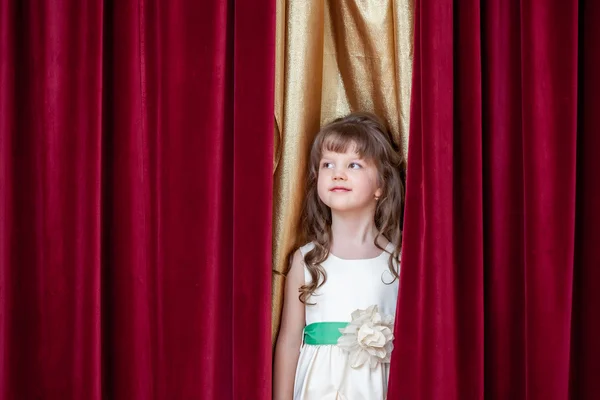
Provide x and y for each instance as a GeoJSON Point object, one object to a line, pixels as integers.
{"type": "Point", "coordinates": [339, 189]}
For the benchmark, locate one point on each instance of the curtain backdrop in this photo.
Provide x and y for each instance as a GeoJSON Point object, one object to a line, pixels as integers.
{"type": "Point", "coordinates": [135, 199]}
{"type": "Point", "coordinates": [499, 293]}
{"type": "Point", "coordinates": [333, 57]}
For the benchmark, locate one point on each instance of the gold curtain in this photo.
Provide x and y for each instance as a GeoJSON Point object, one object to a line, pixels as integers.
{"type": "Point", "coordinates": [332, 57]}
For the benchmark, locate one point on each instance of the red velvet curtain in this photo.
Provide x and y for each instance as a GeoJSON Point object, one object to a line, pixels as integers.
{"type": "Point", "coordinates": [499, 293]}
{"type": "Point", "coordinates": [135, 199]}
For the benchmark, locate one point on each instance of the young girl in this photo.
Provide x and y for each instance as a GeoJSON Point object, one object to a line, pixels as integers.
{"type": "Point", "coordinates": [340, 294]}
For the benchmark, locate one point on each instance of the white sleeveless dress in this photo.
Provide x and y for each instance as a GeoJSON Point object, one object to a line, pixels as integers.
{"type": "Point", "coordinates": [324, 371]}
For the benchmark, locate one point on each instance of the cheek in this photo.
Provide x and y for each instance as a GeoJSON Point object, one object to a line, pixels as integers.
{"type": "Point", "coordinates": [374, 181]}
{"type": "Point", "coordinates": [321, 184]}
{"type": "Point", "coordinates": [369, 185]}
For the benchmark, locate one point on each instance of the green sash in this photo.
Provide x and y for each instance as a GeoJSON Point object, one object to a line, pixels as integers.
{"type": "Point", "coordinates": [320, 333]}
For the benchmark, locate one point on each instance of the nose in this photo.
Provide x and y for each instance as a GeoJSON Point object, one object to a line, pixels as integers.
{"type": "Point", "coordinates": [339, 175]}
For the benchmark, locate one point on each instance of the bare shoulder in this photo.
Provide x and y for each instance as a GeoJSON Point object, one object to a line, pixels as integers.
{"type": "Point", "coordinates": [296, 272]}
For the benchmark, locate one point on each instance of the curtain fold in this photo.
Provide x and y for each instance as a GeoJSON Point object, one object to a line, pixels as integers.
{"type": "Point", "coordinates": [585, 324]}
{"type": "Point", "coordinates": [50, 150]}
{"type": "Point", "coordinates": [136, 173]}
{"type": "Point", "coordinates": [254, 81]}
{"type": "Point", "coordinates": [498, 261]}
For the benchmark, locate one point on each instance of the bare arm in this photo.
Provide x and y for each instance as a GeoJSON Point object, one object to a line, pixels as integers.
{"type": "Point", "coordinates": [289, 341]}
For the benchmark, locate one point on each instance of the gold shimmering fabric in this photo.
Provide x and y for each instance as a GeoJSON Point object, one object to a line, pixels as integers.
{"type": "Point", "coordinates": [333, 57]}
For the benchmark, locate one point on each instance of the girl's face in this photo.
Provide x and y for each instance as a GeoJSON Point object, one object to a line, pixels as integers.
{"type": "Point", "coordinates": [347, 182]}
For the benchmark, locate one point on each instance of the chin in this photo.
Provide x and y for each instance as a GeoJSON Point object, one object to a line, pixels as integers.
{"type": "Point", "coordinates": [345, 207]}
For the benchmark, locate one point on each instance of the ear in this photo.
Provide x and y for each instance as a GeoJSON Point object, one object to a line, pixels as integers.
{"type": "Point", "coordinates": [378, 193]}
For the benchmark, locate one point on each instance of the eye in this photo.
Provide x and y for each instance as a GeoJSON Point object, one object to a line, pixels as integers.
{"type": "Point", "coordinates": [355, 165]}
{"type": "Point", "coordinates": [327, 164]}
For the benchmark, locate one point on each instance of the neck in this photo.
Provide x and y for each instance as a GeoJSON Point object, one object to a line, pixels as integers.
{"type": "Point", "coordinates": [353, 229]}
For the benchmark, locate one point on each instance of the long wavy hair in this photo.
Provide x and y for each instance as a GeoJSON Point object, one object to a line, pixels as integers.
{"type": "Point", "coordinates": [373, 142]}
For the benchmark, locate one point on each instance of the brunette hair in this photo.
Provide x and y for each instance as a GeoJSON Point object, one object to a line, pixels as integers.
{"type": "Point", "coordinates": [374, 143]}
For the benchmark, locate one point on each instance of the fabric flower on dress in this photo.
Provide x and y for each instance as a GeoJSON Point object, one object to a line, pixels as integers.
{"type": "Point", "coordinates": [368, 338]}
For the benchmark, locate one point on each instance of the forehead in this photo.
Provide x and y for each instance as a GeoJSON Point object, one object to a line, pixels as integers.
{"type": "Point", "coordinates": [334, 144]}
{"type": "Point", "coordinates": [350, 152]}
{"type": "Point", "coordinates": [355, 141]}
